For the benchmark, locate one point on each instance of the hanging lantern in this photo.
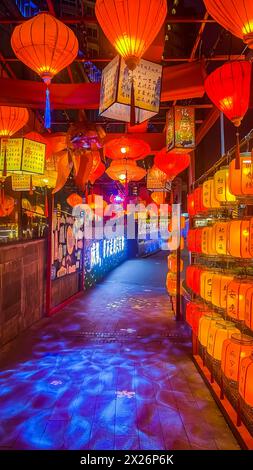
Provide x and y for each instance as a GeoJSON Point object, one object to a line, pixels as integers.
{"type": "Point", "coordinates": [22, 155]}
{"type": "Point", "coordinates": [221, 238]}
{"type": "Point", "coordinates": [236, 299]}
{"type": "Point", "coordinates": [221, 186]}
{"type": "Point", "coordinates": [126, 147]}
{"type": "Point", "coordinates": [97, 173]}
{"type": "Point", "coordinates": [12, 120]}
{"type": "Point", "coordinates": [209, 200]}
{"type": "Point", "coordinates": [159, 197]}
{"type": "Point", "coordinates": [171, 163]}
{"type": "Point", "coordinates": [228, 87]}
{"type": "Point", "coordinates": [156, 179]}
{"type": "Point", "coordinates": [191, 205]}
{"type": "Point", "coordinates": [236, 17]}
{"type": "Point", "coordinates": [220, 284]}
{"type": "Point", "coordinates": [246, 380]}
{"type": "Point", "coordinates": [180, 129]}
{"type": "Point", "coordinates": [241, 181]}
{"type": "Point", "coordinates": [45, 45]}
{"type": "Point", "coordinates": [125, 170]}
{"type": "Point", "coordinates": [74, 200]}
{"type": "Point", "coordinates": [218, 332]}
{"type": "Point", "coordinates": [234, 350]}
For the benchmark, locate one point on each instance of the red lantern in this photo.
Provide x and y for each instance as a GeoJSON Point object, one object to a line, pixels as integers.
{"type": "Point", "coordinates": [198, 200]}
{"type": "Point", "coordinates": [236, 17]}
{"type": "Point", "coordinates": [191, 205]}
{"type": "Point", "coordinates": [125, 147]}
{"type": "Point", "coordinates": [228, 87]}
{"type": "Point", "coordinates": [191, 240]}
{"type": "Point", "coordinates": [97, 173]}
{"type": "Point", "coordinates": [12, 119]}
{"type": "Point", "coordinates": [171, 163]}
{"type": "Point", "coordinates": [74, 200]}
{"type": "Point", "coordinates": [131, 25]}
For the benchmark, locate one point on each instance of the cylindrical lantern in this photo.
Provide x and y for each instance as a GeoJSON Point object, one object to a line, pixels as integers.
{"type": "Point", "coordinates": [191, 240]}
{"type": "Point", "coordinates": [208, 241]}
{"type": "Point", "coordinates": [221, 237]}
{"type": "Point", "coordinates": [240, 180]}
{"type": "Point", "coordinates": [221, 186]}
{"type": "Point", "coordinates": [172, 263]}
{"type": "Point", "coordinates": [191, 205]}
{"type": "Point", "coordinates": [198, 200]}
{"type": "Point", "coordinates": [236, 299]}
{"type": "Point", "coordinates": [239, 238]}
{"type": "Point", "coordinates": [206, 279]}
{"type": "Point", "coordinates": [205, 322]}
{"type": "Point", "coordinates": [209, 199]}
{"type": "Point", "coordinates": [217, 334]}
{"type": "Point", "coordinates": [220, 285]}
{"type": "Point", "coordinates": [249, 308]}
{"type": "Point", "coordinates": [198, 240]}
{"type": "Point", "coordinates": [234, 350]}
{"type": "Point", "coordinates": [246, 380]}
{"type": "Point", "coordinates": [171, 284]}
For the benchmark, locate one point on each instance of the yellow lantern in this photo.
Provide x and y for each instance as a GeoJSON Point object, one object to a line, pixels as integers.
{"type": "Point", "coordinates": [171, 283]}
{"type": "Point", "coordinates": [246, 380]}
{"type": "Point", "coordinates": [205, 322]}
{"type": "Point", "coordinates": [236, 299]}
{"type": "Point", "coordinates": [220, 234]}
{"type": "Point", "coordinates": [209, 200]}
{"type": "Point", "coordinates": [239, 238]}
{"type": "Point", "coordinates": [248, 308]}
{"type": "Point", "coordinates": [206, 279]}
{"type": "Point", "coordinates": [208, 241]}
{"type": "Point", "coordinates": [221, 186]}
{"type": "Point", "coordinates": [172, 263]}
{"type": "Point", "coordinates": [218, 332]}
{"type": "Point", "coordinates": [241, 181]}
{"type": "Point", "coordinates": [234, 350]}
{"type": "Point", "coordinates": [220, 285]}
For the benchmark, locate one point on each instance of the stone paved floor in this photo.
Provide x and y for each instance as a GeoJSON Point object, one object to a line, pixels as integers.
{"type": "Point", "coordinates": [111, 371]}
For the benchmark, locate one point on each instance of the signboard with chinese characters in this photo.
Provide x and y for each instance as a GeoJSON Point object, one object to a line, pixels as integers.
{"type": "Point", "coordinates": [156, 179]}
{"type": "Point", "coordinates": [115, 92]}
{"type": "Point", "coordinates": [22, 156]}
{"type": "Point", "coordinates": [180, 128]}
{"type": "Point", "coordinates": [20, 182]}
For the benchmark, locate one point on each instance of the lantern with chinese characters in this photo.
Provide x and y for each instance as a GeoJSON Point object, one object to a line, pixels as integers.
{"type": "Point", "coordinates": [125, 170]}
{"type": "Point", "coordinates": [221, 186]}
{"type": "Point", "coordinates": [198, 200]}
{"type": "Point", "coordinates": [126, 147]}
{"type": "Point", "coordinates": [239, 238]}
{"type": "Point", "coordinates": [220, 283]}
{"type": "Point", "coordinates": [236, 299]}
{"type": "Point", "coordinates": [171, 283]}
{"type": "Point", "coordinates": [171, 163]}
{"type": "Point", "coordinates": [228, 87]}
{"type": "Point", "coordinates": [241, 180]}
{"type": "Point", "coordinates": [191, 205]}
{"type": "Point", "coordinates": [249, 308]}
{"type": "Point", "coordinates": [221, 237]}
{"type": "Point", "coordinates": [236, 17]}
{"type": "Point", "coordinates": [218, 332]}
{"type": "Point", "coordinates": [236, 348]}
{"type": "Point", "coordinates": [22, 155]}
{"type": "Point", "coordinates": [246, 380]}
{"type": "Point", "coordinates": [206, 279]}
{"type": "Point", "coordinates": [172, 264]}
{"type": "Point", "coordinates": [45, 45]}
{"type": "Point", "coordinates": [209, 199]}
{"type": "Point", "coordinates": [118, 99]}
{"type": "Point", "coordinates": [205, 322]}
{"type": "Point", "coordinates": [208, 241]}
{"type": "Point", "coordinates": [180, 129]}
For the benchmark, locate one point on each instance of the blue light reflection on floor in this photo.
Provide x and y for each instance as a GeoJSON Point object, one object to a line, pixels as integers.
{"type": "Point", "coordinates": [104, 374]}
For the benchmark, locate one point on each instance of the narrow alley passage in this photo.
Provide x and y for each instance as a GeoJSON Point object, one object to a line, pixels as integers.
{"type": "Point", "coordinates": [112, 370]}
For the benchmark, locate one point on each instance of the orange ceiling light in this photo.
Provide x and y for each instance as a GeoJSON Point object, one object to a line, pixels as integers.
{"type": "Point", "coordinates": [235, 16]}
{"type": "Point", "coordinates": [46, 46]}
{"type": "Point", "coordinates": [125, 147]}
{"type": "Point", "coordinates": [12, 120]}
{"type": "Point", "coordinates": [125, 170]}
{"type": "Point", "coordinates": [131, 25]}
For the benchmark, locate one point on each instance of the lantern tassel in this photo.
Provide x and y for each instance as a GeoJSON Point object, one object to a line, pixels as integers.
{"type": "Point", "coordinates": [132, 105]}
{"type": "Point", "coordinates": [47, 119]}
{"type": "Point", "coordinates": [46, 203]}
{"type": "Point", "coordinates": [237, 152]}
{"type": "Point", "coordinates": [31, 186]}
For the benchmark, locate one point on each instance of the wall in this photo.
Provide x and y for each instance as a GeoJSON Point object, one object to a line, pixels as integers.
{"type": "Point", "coordinates": [64, 287]}
{"type": "Point", "coordinates": [22, 287]}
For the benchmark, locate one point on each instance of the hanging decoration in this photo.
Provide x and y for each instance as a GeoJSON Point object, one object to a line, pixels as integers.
{"type": "Point", "coordinates": [126, 147]}
{"type": "Point", "coordinates": [236, 17]}
{"type": "Point", "coordinates": [241, 181]}
{"type": "Point", "coordinates": [228, 87]}
{"type": "Point", "coordinates": [22, 155]}
{"type": "Point", "coordinates": [180, 129]}
{"type": "Point", "coordinates": [94, 175]}
{"type": "Point", "coordinates": [156, 179]}
{"type": "Point", "coordinates": [12, 120]}
{"type": "Point", "coordinates": [45, 45]}
{"type": "Point", "coordinates": [171, 163]}
{"type": "Point", "coordinates": [125, 170]}
{"type": "Point", "coordinates": [159, 197]}
{"type": "Point", "coordinates": [74, 199]}
{"type": "Point", "coordinates": [116, 99]}
{"type": "Point", "coordinates": [7, 204]}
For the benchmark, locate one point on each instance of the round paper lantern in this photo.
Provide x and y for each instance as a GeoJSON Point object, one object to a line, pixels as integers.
{"type": "Point", "coordinates": [234, 350]}
{"type": "Point", "coordinates": [74, 200]}
{"type": "Point", "coordinates": [236, 17]}
{"type": "Point", "coordinates": [159, 197]}
{"type": "Point", "coordinates": [45, 45]}
{"type": "Point", "coordinates": [228, 87]}
{"type": "Point", "coordinates": [220, 231]}
{"type": "Point", "coordinates": [131, 25]}
{"type": "Point", "coordinates": [221, 186]}
{"type": "Point", "coordinates": [12, 120]}
{"type": "Point", "coordinates": [171, 163]}
{"type": "Point", "coordinates": [125, 170]}
{"type": "Point", "coordinates": [220, 285]}
{"type": "Point", "coordinates": [125, 147]}
{"type": "Point", "coordinates": [240, 180]}
{"type": "Point", "coordinates": [246, 380]}
{"type": "Point", "coordinates": [218, 332]}
{"type": "Point", "coordinates": [205, 322]}
{"type": "Point", "coordinates": [97, 173]}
